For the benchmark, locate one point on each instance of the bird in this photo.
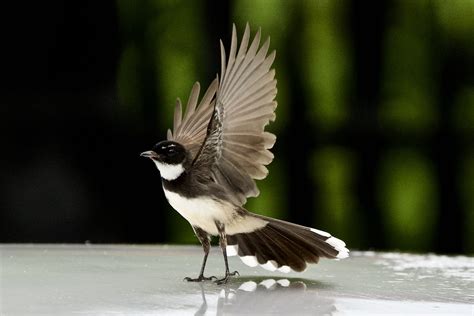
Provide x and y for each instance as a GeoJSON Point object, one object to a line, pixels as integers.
{"type": "Point", "coordinates": [217, 149]}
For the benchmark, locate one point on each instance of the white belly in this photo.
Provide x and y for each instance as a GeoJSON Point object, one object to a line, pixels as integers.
{"type": "Point", "coordinates": [204, 212]}
{"type": "Point", "coordinates": [201, 212]}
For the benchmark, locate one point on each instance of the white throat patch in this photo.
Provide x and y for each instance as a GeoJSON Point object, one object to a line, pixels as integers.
{"type": "Point", "coordinates": [169, 172]}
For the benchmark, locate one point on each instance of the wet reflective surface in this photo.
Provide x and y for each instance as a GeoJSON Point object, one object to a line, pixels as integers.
{"type": "Point", "coordinates": [148, 280]}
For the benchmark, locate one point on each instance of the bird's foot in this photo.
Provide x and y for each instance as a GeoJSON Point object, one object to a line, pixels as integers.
{"type": "Point", "coordinates": [227, 277]}
{"type": "Point", "coordinates": [200, 278]}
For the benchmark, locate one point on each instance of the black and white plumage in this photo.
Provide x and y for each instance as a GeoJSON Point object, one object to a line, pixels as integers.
{"type": "Point", "coordinates": [216, 151]}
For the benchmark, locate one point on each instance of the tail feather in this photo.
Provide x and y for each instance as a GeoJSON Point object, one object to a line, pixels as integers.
{"type": "Point", "coordinates": [270, 247]}
{"type": "Point", "coordinates": [307, 238]}
{"type": "Point", "coordinates": [297, 252]}
{"type": "Point", "coordinates": [275, 253]}
{"type": "Point", "coordinates": [284, 246]}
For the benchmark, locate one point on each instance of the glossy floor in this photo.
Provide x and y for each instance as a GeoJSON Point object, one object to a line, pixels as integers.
{"type": "Point", "coordinates": [148, 280]}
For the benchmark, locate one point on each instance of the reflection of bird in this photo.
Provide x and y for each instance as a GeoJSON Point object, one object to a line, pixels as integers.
{"type": "Point", "coordinates": [209, 162]}
{"type": "Point", "coordinates": [260, 296]}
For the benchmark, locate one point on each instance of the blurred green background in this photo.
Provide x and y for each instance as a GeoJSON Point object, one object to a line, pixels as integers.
{"type": "Point", "coordinates": [375, 119]}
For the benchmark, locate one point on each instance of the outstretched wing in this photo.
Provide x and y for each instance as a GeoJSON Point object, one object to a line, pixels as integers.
{"type": "Point", "coordinates": [190, 130]}
{"type": "Point", "coordinates": [236, 147]}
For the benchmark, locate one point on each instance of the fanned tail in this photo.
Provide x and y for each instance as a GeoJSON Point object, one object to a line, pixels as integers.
{"type": "Point", "coordinates": [284, 246]}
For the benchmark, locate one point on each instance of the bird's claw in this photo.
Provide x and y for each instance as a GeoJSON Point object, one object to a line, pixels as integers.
{"type": "Point", "coordinates": [200, 278]}
{"type": "Point", "coordinates": [227, 277]}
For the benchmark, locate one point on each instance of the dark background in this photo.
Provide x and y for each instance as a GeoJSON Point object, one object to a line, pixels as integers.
{"type": "Point", "coordinates": [375, 122]}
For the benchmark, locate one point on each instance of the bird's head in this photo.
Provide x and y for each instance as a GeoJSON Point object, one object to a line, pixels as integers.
{"type": "Point", "coordinates": [169, 157]}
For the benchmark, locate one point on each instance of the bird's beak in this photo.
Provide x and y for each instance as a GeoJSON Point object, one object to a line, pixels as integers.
{"type": "Point", "coordinates": [149, 154]}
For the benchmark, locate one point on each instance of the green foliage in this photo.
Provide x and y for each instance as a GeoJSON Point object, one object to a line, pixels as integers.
{"type": "Point", "coordinates": [325, 55]}
{"type": "Point", "coordinates": [408, 88]}
{"type": "Point", "coordinates": [333, 169]}
{"type": "Point", "coordinates": [407, 193]}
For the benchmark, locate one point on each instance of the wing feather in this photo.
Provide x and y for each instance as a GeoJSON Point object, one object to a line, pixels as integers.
{"type": "Point", "coordinates": [190, 130]}
{"type": "Point", "coordinates": [192, 101]}
{"type": "Point", "coordinates": [239, 63]}
{"type": "Point", "coordinates": [230, 64]}
{"type": "Point", "coordinates": [226, 131]}
{"type": "Point", "coordinates": [252, 74]}
{"type": "Point", "coordinates": [178, 113]}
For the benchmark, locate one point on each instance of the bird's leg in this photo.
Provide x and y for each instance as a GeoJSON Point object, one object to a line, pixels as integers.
{"type": "Point", "coordinates": [206, 245]}
{"type": "Point", "coordinates": [223, 244]}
